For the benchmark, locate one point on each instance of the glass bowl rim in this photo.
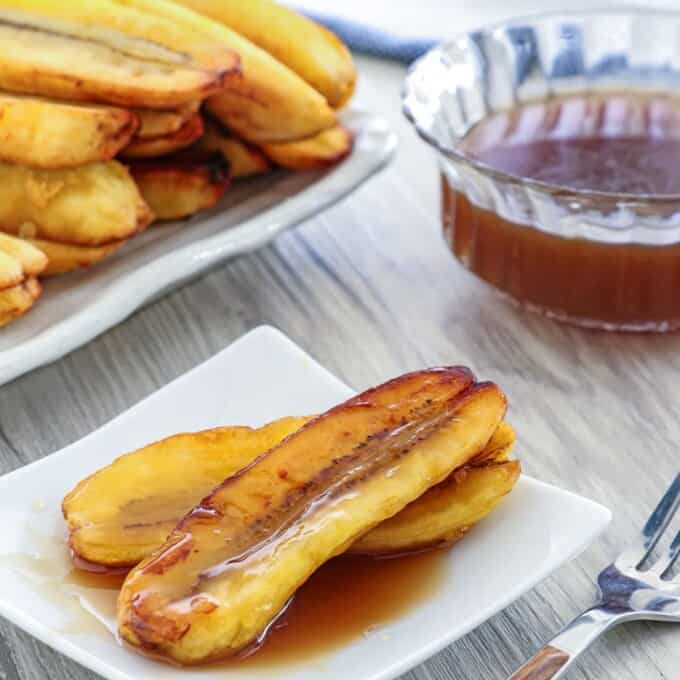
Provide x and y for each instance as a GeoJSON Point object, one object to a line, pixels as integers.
{"type": "Point", "coordinates": [557, 190]}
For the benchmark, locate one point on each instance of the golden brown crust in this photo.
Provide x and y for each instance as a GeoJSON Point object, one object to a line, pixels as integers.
{"type": "Point", "coordinates": [445, 513]}
{"type": "Point", "coordinates": [18, 261]}
{"type": "Point", "coordinates": [65, 60]}
{"type": "Point", "coordinates": [499, 447]}
{"type": "Point", "coordinates": [245, 160]}
{"type": "Point", "coordinates": [92, 205]}
{"type": "Point", "coordinates": [314, 153]}
{"type": "Point", "coordinates": [11, 271]}
{"type": "Point", "coordinates": [154, 123]}
{"type": "Point", "coordinates": [179, 186]}
{"type": "Point", "coordinates": [66, 257]}
{"type": "Point", "coordinates": [153, 147]}
{"type": "Point", "coordinates": [17, 300]}
{"type": "Point", "coordinates": [46, 133]}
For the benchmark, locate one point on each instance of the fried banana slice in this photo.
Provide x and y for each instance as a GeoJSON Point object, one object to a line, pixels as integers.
{"type": "Point", "coordinates": [179, 186]}
{"type": "Point", "coordinates": [153, 147]}
{"type": "Point", "coordinates": [161, 123]}
{"type": "Point", "coordinates": [447, 511]}
{"type": "Point", "coordinates": [18, 261]}
{"type": "Point", "coordinates": [11, 271]}
{"type": "Point", "coordinates": [444, 513]}
{"type": "Point", "coordinates": [316, 54]}
{"type": "Point", "coordinates": [91, 205]}
{"type": "Point", "coordinates": [17, 300]}
{"type": "Point", "coordinates": [65, 60]}
{"type": "Point", "coordinates": [121, 513]}
{"type": "Point", "coordinates": [499, 448]}
{"type": "Point", "coordinates": [232, 563]}
{"type": "Point", "coordinates": [266, 102]}
{"type": "Point", "coordinates": [315, 153]}
{"type": "Point", "coordinates": [65, 257]}
{"type": "Point", "coordinates": [245, 160]}
{"type": "Point", "coordinates": [158, 37]}
{"type": "Point", "coordinates": [46, 133]}
{"type": "Point", "coordinates": [20, 264]}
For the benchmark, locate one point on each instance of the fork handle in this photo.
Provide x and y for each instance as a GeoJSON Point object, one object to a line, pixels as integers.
{"type": "Point", "coordinates": [552, 661]}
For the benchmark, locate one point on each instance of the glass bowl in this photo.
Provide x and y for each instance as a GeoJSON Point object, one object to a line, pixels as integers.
{"type": "Point", "coordinates": [593, 258]}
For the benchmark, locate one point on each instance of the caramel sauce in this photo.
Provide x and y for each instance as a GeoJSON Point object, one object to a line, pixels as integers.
{"type": "Point", "coordinates": [620, 144]}
{"type": "Point", "coordinates": [86, 566]}
{"type": "Point", "coordinates": [103, 580]}
{"type": "Point", "coordinates": [629, 165]}
{"type": "Point", "coordinates": [86, 600]}
{"type": "Point", "coordinates": [623, 285]}
{"type": "Point", "coordinates": [348, 598]}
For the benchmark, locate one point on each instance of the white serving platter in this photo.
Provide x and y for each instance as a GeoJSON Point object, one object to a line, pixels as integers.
{"type": "Point", "coordinates": [77, 307]}
{"type": "Point", "coordinates": [261, 377]}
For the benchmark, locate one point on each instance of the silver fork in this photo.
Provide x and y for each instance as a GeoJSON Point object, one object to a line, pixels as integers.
{"type": "Point", "coordinates": [627, 593]}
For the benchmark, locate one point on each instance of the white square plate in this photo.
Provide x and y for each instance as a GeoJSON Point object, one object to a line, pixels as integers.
{"type": "Point", "coordinates": [77, 307]}
{"type": "Point", "coordinates": [261, 377]}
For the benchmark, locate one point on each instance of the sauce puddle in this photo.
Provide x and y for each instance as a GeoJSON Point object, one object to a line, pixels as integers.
{"type": "Point", "coordinates": [345, 600]}
{"type": "Point", "coordinates": [349, 598]}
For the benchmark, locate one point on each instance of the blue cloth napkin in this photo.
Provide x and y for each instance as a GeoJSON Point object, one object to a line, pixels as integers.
{"type": "Point", "coordinates": [372, 41]}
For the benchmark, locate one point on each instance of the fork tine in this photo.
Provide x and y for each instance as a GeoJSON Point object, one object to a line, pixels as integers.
{"type": "Point", "coordinates": [666, 562]}
{"type": "Point", "coordinates": [640, 548]}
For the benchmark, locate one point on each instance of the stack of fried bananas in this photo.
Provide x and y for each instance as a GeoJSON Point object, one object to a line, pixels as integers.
{"type": "Point", "coordinates": [116, 113]}
{"type": "Point", "coordinates": [220, 527]}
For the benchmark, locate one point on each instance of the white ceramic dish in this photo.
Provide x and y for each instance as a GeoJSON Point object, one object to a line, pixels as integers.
{"type": "Point", "coordinates": [260, 377]}
{"type": "Point", "coordinates": [77, 307]}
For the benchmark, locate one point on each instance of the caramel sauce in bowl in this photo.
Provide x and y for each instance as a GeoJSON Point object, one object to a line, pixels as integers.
{"type": "Point", "coordinates": [559, 146]}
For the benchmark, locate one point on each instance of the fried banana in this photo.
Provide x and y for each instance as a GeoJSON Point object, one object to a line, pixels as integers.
{"type": "Point", "coordinates": [179, 186]}
{"type": "Point", "coordinates": [444, 513]}
{"type": "Point", "coordinates": [228, 568]}
{"type": "Point", "coordinates": [153, 147]}
{"type": "Point", "coordinates": [499, 448]}
{"type": "Point", "coordinates": [160, 123]}
{"type": "Point", "coordinates": [316, 54]}
{"type": "Point", "coordinates": [315, 153]}
{"type": "Point", "coordinates": [20, 264]}
{"type": "Point", "coordinates": [65, 60]}
{"type": "Point", "coordinates": [245, 160]}
{"type": "Point", "coordinates": [18, 261]}
{"type": "Point", "coordinates": [118, 515]}
{"type": "Point", "coordinates": [45, 133]}
{"type": "Point", "coordinates": [159, 37]}
{"type": "Point", "coordinates": [66, 257]}
{"type": "Point", "coordinates": [267, 102]}
{"type": "Point", "coordinates": [17, 300]}
{"type": "Point", "coordinates": [92, 205]}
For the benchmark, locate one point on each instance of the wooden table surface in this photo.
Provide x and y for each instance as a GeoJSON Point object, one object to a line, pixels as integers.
{"type": "Point", "coordinates": [370, 290]}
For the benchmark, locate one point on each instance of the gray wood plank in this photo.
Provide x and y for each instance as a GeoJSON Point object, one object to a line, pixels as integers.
{"type": "Point", "coordinates": [369, 289]}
